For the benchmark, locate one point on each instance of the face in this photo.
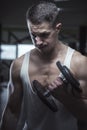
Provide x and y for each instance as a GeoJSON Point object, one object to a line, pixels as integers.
{"type": "Point", "coordinates": [44, 36]}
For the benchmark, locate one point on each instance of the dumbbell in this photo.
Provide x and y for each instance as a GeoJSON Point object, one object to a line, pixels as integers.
{"type": "Point", "coordinates": [45, 94]}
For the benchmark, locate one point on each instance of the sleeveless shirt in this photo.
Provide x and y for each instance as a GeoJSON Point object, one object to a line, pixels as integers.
{"type": "Point", "coordinates": [37, 116]}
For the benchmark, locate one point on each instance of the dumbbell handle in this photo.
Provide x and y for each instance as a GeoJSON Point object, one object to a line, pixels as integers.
{"type": "Point", "coordinates": [45, 96]}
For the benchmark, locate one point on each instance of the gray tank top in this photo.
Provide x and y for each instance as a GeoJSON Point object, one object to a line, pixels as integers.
{"type": "Point", "coordinates": [37, 116]}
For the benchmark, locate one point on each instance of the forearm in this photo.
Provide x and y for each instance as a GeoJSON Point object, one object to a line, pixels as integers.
{"type": "Point", "coordinates": [77, 106]}
{"type": "Point", "coordinates": [9, 121]}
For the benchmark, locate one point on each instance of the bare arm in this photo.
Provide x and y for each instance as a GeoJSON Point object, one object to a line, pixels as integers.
{"type": "Point", "coordinates": [12, 112]}
{"type": "Point", "coordinates": [77, 103]}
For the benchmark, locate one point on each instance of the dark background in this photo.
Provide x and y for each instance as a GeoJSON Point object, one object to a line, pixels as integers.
{"type": "Point", "coordinates": [13, 29]}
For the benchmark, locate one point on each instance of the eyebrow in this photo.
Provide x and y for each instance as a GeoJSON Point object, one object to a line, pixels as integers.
{"type": "Point", "coordinates": [41, 34]}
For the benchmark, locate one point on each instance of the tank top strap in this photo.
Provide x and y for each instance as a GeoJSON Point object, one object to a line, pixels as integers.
{"type": "Point", "coordinates": [24, 77]}
{"type": "Point", "coordinates": [25, 65]}
{"type": "Point", "coordinates": [68, 57]}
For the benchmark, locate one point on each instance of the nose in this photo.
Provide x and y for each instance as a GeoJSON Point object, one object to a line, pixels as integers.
{"type": "Point", "coordinates": [38, 40]}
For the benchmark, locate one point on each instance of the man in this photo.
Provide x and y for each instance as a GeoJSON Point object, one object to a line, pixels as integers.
{"type": "Point", "coordinates": [25, 110]}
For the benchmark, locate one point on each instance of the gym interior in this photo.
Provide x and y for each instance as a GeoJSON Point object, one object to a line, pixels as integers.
{"type": "Point", "coordinates": [15, 39]}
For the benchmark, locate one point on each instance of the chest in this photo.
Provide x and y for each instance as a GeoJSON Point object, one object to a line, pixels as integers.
{"type": "Point", "coordinates": [44, 73]}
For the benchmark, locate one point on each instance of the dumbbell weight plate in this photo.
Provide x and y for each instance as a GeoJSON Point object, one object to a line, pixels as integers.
{"type": "Point", "coordinates": [69, 76]}
{"type": "Point", "coordinates": [45, 96]}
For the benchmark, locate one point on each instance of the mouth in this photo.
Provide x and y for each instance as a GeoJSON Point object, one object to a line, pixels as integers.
{"type": "Point", "coordinates": [41, 46]}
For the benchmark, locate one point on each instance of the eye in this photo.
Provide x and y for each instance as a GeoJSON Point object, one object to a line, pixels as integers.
{"type": "Point", "coordinates": [41, 35]}
{"type": "Point", "coordinates": [44, 35]}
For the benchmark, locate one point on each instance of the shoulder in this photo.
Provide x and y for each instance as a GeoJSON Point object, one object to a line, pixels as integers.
{"type": "Point", "coordinates": [79, 59]}
{"type": "Point", "coordinates": [16, 65]}
{"type": "Point", "coordinates": [79, 62]}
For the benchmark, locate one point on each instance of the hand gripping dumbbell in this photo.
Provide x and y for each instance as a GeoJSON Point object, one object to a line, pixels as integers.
{"type": "Point", "coordinates": [45, 94]}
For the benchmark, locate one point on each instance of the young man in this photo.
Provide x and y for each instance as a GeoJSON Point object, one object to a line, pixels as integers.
{"type": "Point", "coordinates": [25, 110]}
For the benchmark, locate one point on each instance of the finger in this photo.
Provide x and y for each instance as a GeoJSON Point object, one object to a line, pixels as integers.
{"type": "Point", "coordinates": [52, 86]}
{"type": "Point", "coordinates": [55, 84]}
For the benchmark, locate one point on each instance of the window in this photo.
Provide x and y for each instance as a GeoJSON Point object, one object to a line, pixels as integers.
{"type": "Point", "coordinates": [23, 48]}
{"type": "Point", "coordinates": [10, 52]}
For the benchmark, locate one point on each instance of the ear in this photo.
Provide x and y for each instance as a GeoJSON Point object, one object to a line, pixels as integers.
{"type": "Point", "coordinates": [58, 26]}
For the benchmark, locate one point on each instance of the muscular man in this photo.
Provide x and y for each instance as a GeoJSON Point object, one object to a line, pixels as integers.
{"type": "Point", "coordinates": [25, 110]}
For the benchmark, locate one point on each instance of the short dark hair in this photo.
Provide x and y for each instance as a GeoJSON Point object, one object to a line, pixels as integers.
{"type": "Point", "coordinates": [43, 12]}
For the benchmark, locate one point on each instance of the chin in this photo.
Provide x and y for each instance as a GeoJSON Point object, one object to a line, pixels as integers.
{"type": "Point", "coordinates": [47, 51]}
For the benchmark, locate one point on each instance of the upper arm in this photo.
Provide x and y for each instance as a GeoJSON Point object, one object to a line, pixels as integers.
{"type": "Point", "coordinates": [82, 71]}
{"type": "Point", "coordinates": [15, 85]}
{"type": "Point", "coordinates": [79, 68]}
{"type": "Point", "coordinates": [12, 111]}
